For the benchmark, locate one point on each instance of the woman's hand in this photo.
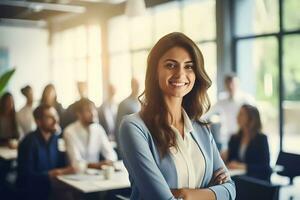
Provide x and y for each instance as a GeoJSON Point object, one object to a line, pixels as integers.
{"type": "Point", "coordinates": [236, 165]}
{"type": "Point", "coordinates": [178, 193]}
{"type": "Point", "coordinates": [219, 177]}
{"type": "Point", "coordinates": [193, 194]}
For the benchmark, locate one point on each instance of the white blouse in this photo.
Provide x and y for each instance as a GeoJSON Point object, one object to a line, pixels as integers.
{"type": "Point", "coordinates": [188, 158]}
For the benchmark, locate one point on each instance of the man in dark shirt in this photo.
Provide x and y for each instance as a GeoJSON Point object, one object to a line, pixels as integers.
{"type": "Point", "coordinates": [39, 160]}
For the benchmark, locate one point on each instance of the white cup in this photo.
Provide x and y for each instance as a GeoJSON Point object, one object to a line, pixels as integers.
{"type": "Point", "coordinates": [61, 145]}
{"type": "Point", "coordinates": [108, 171]}
{"type": "Point", "coordinates": [13, 143]}
{"type": "Point", "coordinates": [80, 167]}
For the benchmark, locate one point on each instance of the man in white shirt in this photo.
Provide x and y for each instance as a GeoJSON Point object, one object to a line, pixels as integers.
{"type": "Point", "coordinates": [227, 109]}
{"type": "Point", "coordinates": [86, 140]}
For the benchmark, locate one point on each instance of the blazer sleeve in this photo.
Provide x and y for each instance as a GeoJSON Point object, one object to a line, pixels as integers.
{"type": "Point", "coordinates": [225, 191]}
{"type": "Point", "coordinates": [140, 163]}
{"type": "Point", "coordinates": [263, 159]}
{"type": "Point", "coordinates": [232, 153]}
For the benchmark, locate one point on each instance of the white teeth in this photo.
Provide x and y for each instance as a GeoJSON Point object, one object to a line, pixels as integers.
{"type": "Point", "coordinates": [178, 84]}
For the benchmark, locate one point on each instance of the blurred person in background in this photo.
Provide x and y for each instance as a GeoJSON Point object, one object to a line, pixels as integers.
{"type": "Point", "coordinates": [86, 140]}
{"type": "Point", "coordinates": [49, 97]}
{"type": "Point", "coordinates": [248, 149]}
{"type": "Point", "coordinates": [227, 108]}
{"type": "Point", "coordinates": [25, 116]}
{"type": "Point", "coordinates": [128, 106]}
{"type": "Point", "coordinates": [39, 159]}
{"type": "Point", "coordinates": [9, 128]}
{"type": "Point", "coordinates": [107, 113]}
{"type": "Point", "coordinates": [10, 132]}
{"type": "Point", "coordinates": [70, 113]}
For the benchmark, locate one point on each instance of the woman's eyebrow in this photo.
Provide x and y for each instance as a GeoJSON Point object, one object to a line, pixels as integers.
{"type": "Point", "coordinates": [172, 60]}
{"type": "Point", "coordinates": [190, 61]}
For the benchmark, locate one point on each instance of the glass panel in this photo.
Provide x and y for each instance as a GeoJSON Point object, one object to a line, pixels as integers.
{"type": "Point", "coordinates": [139, 64]}
{"type": "Point", "coordinates": [258, 73]}
{"type": "Point", "coordinates": [80, 41]}
{"type": "Point", "coordinates": [210, 56]}
{"type": "Point", "coordinates": [166, 19]}
{"type": "Point", "coordinates": [67, 44]}
{"type": "Point", "coordinates": [95, 87]}
{"type": "Point", "coordinates": [118, 34]}
{"type": "Point", "coordinates": [94, 40]}
{"type": "Point", "coordinates": [291, 18]}
{"type": "Point", "coordinates": [291, 103]}
{"type": "Point", "coordinates": [141, 32]}
{"type": "Point", "coordinates": [81, 69]}
{"type": "Point", "coordinates": [120, 75]}
{"type": "Point", "coordinates": [65, 85]}
{"type": "Point", "coordinates": [196, 16]}
{"type": "Point", "coordinates": [256, 16]}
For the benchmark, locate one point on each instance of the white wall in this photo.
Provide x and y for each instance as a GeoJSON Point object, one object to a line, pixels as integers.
{"type": "Point", "coordinates": [29, 53]}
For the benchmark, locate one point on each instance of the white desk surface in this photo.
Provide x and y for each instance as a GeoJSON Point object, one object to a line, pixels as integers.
{"type": "Point", "coordinates": [236, 172]}
{"type": "Point", "coordinates": [8, 154]}
{"type": "Point", "coordinates": [96, 183]}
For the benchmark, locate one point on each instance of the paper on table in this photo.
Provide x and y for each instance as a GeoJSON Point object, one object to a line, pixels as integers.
{"type": "Point", "coordinates": [82, 177]}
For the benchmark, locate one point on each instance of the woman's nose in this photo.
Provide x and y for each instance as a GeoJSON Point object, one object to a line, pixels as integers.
{"type": "Point", "coordinates": [180, 71]}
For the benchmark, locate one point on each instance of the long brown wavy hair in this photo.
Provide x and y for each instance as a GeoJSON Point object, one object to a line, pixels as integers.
{"type": "Point", "coordinates": [254, 121]}
{"type": "Point", "coordinates": [11, 115]}
{"type": "Point", "coordinates": [154, 109]}
{"type": "Point", "coordinates": [45, 94]}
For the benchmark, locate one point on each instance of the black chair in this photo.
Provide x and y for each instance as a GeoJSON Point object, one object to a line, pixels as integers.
{"type": "Point", "coordinates": [290, 163]}
{"type": "Point", "coordinates": [249, 188]}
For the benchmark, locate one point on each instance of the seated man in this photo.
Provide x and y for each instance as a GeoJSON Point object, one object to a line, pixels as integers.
{"type": "Point", "coordinates": [86, 139]}
{"type": "Point", "coordinates": [39, 160]}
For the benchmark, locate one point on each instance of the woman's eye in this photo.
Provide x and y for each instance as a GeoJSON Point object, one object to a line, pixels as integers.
{"type": "Point", "coordinates": [170, 65]}
{"type": "Point", "coordinates": [189, 66]}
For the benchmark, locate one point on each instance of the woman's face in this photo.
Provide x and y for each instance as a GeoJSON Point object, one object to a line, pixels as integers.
{"type": "Point", "coordinates": [175, 73]}
{"type": "Point", "coordinates": [242, 118]}
{"type": "Point", "coordinates": [9, 104]}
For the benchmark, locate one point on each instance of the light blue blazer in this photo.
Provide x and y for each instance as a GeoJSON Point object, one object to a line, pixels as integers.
{"type": "Point", "coordinates": [152, 177]}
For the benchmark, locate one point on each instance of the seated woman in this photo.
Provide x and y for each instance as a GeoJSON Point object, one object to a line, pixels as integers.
{"type": "Point", "coordinates": [9, 129]}
{"type": "Point", "coordinates": [249, 149]}
{"type": "Point", "coordinates": [167, 151]}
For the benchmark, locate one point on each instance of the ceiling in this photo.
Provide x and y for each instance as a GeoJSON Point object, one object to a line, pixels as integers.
{"type": "Point", "coordinates": [38, 12]}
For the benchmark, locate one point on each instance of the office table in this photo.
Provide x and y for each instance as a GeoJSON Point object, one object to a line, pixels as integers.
{"type": "Point", "coordinates": [95, 182]}
{"type": "Point", "coordinates": [8, 154]}
{"type": "Point", "coordinates": [236, 172]}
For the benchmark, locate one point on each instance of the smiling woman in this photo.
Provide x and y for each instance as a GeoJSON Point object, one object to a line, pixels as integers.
{"type": "Point", "coordinates": [175, 72]}
{"type": "Point", "coordinates": [168, 152]}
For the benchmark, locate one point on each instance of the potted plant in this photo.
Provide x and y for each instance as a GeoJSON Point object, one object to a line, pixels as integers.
{"type": "Point", "coordinates": [4, 78]}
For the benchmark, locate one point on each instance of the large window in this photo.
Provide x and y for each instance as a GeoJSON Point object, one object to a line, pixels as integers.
{"type": "Point", "coordinates": [256, 17]}
{"type": "Point", "coordinates": [291, 101]}
{"type": "Point", "coordinates": [258, 73]}
{"type": "Point", "coordinates": [266, 41]}
{"type": "Point", "coordinates": [132, 39]}
{"type": "Point", "coordinates": [77, 53]}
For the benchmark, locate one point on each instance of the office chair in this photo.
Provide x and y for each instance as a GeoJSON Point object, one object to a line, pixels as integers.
{"type": "Point", "coordinates": [290, 163]}
{"type": "Point", "coordinates": [248, 188]}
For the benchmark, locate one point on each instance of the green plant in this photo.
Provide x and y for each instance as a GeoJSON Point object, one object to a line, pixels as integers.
{"type": "Point", "coordinates": [4, 78]}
